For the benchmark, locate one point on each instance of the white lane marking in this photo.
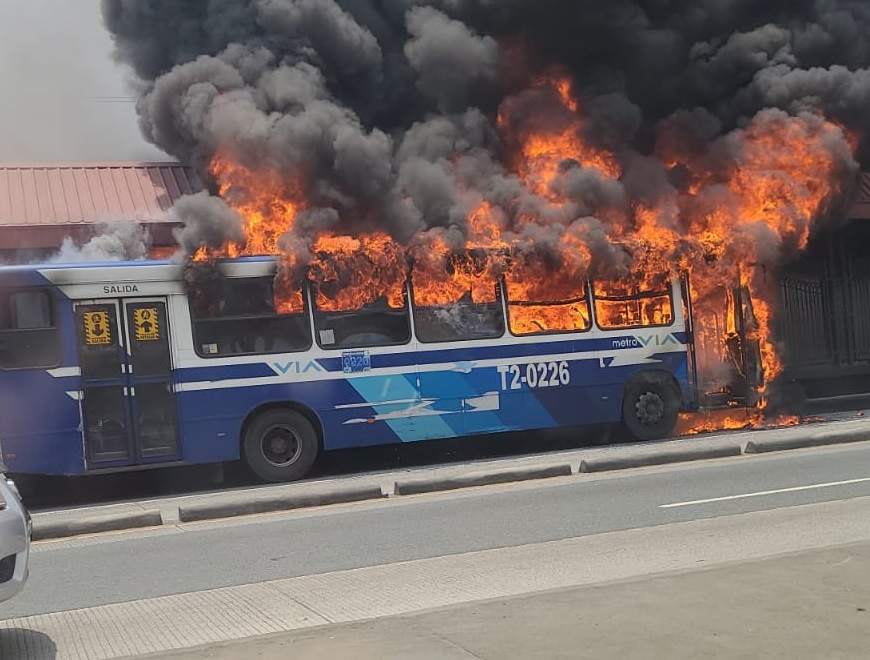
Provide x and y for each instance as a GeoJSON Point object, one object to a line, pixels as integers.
{"type": "Point", "coordinates": [763, 493]}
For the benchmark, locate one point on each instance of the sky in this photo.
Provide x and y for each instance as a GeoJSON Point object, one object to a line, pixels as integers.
{"type": "Point", "coordinates": [62, 96]}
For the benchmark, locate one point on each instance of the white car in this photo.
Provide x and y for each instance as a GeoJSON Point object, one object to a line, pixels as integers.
{"type": "Point", "coordinates": [15, 533]}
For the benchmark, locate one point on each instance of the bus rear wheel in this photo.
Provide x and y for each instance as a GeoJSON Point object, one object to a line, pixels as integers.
{"type": "Point", "coordinates": [650, 408]}
{"type": "Point", "coordinates": [280, 445]}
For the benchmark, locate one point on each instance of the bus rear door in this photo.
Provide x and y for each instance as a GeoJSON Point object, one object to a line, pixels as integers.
{"type": "Point", "coordinates": [129, 414]}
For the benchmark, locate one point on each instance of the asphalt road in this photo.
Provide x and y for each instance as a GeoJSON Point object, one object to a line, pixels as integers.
{"type": "Point", "coordinates": [132, 566]}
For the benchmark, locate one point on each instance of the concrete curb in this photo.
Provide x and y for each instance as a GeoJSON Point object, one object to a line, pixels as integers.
{"type": "Point", "coordinates": [94, 525]}
{"type": "Point", "coordinates": [820, 439]}
{"type": "Point", "coordinates": [419, 486]}
{"type": "Point", "coordinates": [248, 505]}
{"type": "Point", "coordinates": [658, 458]}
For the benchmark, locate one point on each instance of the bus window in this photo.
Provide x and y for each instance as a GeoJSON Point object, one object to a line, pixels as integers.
{"type": "Point", "coordinates": [376, 324]}
{"type": "Point", "coordinates": [29, 336]}
{"type": "Point", "coordinates": [619, 306]}
{"type": "Point", "coordinates": [461, 320]}
{"type": "Point", "coordinates": [528, 316]}
{"type": "Point", "coordinates": [243, 320]}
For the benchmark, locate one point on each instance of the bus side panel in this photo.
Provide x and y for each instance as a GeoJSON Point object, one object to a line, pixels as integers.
{"type": "Point", "coordinates": [40, 423]}
{"type": "Point", "coordinates": [212, 418]}
{"type": "Point", "coordinates": [523, 403]}
{"type": "Point", "coordinates": [363, 410]}
{"type": "Point", "coordinates": [375, 409]}
{"type": "Point", "coordinates": [209, 424]}
{"type": "Point", "coordinates": [461, 400]}
{"type": "Point", "coordinates": [481, 402]}
{"type": "Point", "coordinates": [674, 363]}
{"type": "Point", "coordinates": [40, 415]}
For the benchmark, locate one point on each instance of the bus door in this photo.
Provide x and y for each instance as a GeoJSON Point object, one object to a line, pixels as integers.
{"type": "Point", "coordinates": [689, 320]}
{"type": "Point", "coordinates": [128, 401]}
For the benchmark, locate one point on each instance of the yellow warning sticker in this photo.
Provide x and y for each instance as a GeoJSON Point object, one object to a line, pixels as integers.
{"type": "Point", "coordinates": [98, 330]}
{"type": "Point", "coordinates": [145, 325]}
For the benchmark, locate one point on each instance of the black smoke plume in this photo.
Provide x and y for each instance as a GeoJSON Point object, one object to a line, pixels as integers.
{"type": "Point", "coordinates": [407, 115]}
{"type": "Point", "coordinates": [384, 110]}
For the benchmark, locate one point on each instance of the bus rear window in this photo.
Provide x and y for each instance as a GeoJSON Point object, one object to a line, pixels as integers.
{"type": "Point", "coordinates": [244, 318]}
{"type": "Point", "coordinates": [29, 336]}
{"type": "Point", "coordinates": [619, 306]}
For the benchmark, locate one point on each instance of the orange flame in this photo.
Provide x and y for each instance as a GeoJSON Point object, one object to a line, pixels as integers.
{"type": "Point", "coordinates": [351, 273]}
{"type": "Point", "coordinates": [538, 302]}
{"type": "Point", "coordinates": [268, 205]}
{"type": "Point", "coordinates": [441, 276]}
{"type": "Point", "coordinates": [267, 202]}
{"type": "Point", "coordinates": [713, 421]}
{"type": "Point", "coordinates": [620, 305]}
{"type": "Point", "coordinates": [772, 194]}
{"type": "Point", "coordinates": [546, 148]}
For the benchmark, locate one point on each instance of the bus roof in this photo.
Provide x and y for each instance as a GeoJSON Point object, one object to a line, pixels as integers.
{"type": "Point", "coordinates": [142, 263]}
{"type": "Point", "coordinates": [86, 273]}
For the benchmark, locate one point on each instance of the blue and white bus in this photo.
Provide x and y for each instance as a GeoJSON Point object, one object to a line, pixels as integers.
{"type": "Point", "coordinates": [117, 367]}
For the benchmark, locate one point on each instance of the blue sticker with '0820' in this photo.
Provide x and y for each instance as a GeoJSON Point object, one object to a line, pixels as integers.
{"type": "Point", "coordinates": [355, 361]}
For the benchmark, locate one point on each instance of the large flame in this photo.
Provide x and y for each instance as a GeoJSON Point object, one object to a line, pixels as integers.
{"type": "Point", "coordinates": [720, 229]}
{"type": "Point", "coordinates": [350, 273]}
{"type": "Point", "coordinates": [268, 204]}
{"type": "Point", "coordinates": [546, 143]}
{"type": "Point", "coordinates": [541, 303]}
{"type": "Point", "coordinates": [440, 276]}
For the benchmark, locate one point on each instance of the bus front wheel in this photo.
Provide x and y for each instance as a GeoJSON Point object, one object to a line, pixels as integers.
{"type": "Point", "coordinates": [650, 408]}
{"type": "Point", "coordinates": [280, 445]}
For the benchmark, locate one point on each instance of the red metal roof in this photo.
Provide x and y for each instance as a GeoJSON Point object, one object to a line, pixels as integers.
{"type": "Point", "coordinates": [42, 204]}
{"type": "Point", "coordinates": [89, 193]}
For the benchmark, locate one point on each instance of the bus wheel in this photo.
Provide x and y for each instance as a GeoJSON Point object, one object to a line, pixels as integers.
{"type": "Point", "coordinates": [280, 445]}
{"type": "Point", "coordinates": [650, 408]}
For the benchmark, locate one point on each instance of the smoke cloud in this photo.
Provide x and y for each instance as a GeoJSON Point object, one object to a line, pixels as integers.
{"type": "Point", "coordinates": [206, 222]}
{"type": "Point", "coordinates": [448, 57]}
{"type": "Point", "coordinates": [112, 242]}
{"type": "Point", "coordinates": [406, 115]}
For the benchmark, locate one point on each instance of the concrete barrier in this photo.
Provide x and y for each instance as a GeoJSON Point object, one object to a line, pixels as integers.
{"type": "Point", "coordinates": [819, 438]}
{"type": "Point", "coordinates": [242, 505]}
{"type": "Point", "coordinates": [609, 463]}
{"type": "Point", "coordinates": [418, 486]}
{"type": "Point", "coordinates": [48, 529]}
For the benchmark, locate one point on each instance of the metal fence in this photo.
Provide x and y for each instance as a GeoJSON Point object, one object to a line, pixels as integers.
{"type": "Point", "coordinates": [859, 318]}
{"type": "Point", "coordinates": [825, 321]}
{"type": "Point", "coordinates": [805, 322]}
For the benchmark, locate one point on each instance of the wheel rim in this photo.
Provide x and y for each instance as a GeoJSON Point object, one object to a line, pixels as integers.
{"type": "Point", "coordinates": [650, 408]}
{"type": "Point", "coordinates": [281, 446]}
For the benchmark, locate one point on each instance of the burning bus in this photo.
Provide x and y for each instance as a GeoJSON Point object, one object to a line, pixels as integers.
{"type": "Point", "coordinates": [409, 177]}
{"type": "Point", "coordinates": [139, 365]}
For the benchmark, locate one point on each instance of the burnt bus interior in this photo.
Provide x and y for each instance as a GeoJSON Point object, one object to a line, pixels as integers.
{"type": "Point", "coordinates": [726, 357]}
{"type": "Point", "coordinates": [242, 316]}
{"type": "Point", "coordinates": [821, 328]}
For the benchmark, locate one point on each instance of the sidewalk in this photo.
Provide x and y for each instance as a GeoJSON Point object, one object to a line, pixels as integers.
{"type": "Point", "coordinates": [812, 605]}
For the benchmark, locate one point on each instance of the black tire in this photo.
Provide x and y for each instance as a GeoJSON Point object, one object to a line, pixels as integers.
{"type": "Point", "coordinates": [280, 445]}
{"type": "Point", "coordinates": [650, 408]}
